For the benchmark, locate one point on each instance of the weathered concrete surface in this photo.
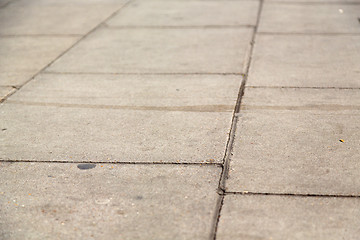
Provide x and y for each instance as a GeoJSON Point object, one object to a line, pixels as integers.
{"type": "Point", "coordinates": [181, 92]}
{"type": "Point", "coordinates": [22, 57]}
{"type": "Point", "coordinates": [158, 51]}
{"type": "Point", "coordinates": [54, 17]}
{"type": "Point", "coordinates": [186, 13]}
{"type": "Point", "coordinates": [60, 201]}
{"type": "Point", "coordinates": [4, 91]}
{"type": "Point", "coordinates": [288, 141]}
{"type": "Point", "coordinates": [306, 61]}
{"type": "Point", "coordinates": [120, 118]}
{"type": "Point", "coordinates": [285, 217]}
{"type": "Point", "coordinates": [37, 131]}
{"type": "Point", "coordinates": [309, 18]}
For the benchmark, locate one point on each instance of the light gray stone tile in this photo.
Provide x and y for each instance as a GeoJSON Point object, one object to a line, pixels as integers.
{"type": "Point", "coordinates": [313, 1]}
{"type": "Point", "coordinates": [75, 132]}
{"type": "Point", "coordinates": [306, 61]}
{"type": "Point", "coordinates": [120, 118]}
{"type": "Point", "coordinates": [292, 143]}
{"type": "Point", "coordinates": [283, 217]}
{"type": "Point", "coordinates": [192, 92]}
{"type": "Point", "coordinates": [54, 17]}
{"type": "Point", "coordinates": [158, 51]}
{"type": "Point", "coordinates": [60, 201]}
{"type": "Point", "coordinates": [22, 57]}
{"type": "Point", "coordinates": [4, 91]}
{"type": "Point", "coordinates": [310, 18]}
{"type": "Point", "coordinates": [187, 13]}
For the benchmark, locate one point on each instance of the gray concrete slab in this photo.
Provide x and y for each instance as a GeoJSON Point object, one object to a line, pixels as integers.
{"type": "Point", "coordinates": [75, 132]}
{"type": "Point", "coordinates": [126, 118]}
{"type": "Point", "coordinates": [309, 18]}
{"type": "Point", "coordinates": [54, 17]}
{"type": "Point", "coordinates": [4, 91]}
{"type": "Point", "coordinates": [306, 61]}
{"type": "Point", "coordinates": [283, 217]}
{"type": "Point", "coordinates": [22, 57]}
{"type": "Point", "coordinates": [158, 51]}
{"type": "Point", "coordinates": [61, 201]}
{"type": "Point", "coordinates": [288, 141]}
{"type": "Point", "coordinates": [186, 13]}
{"type": "Point", "coordinates": [182, 92]}
{"type": "Point", "coordinates": [315, 1]}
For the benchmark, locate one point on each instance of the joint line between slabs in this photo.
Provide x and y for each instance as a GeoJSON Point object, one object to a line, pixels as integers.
{"type": "Point", "coordinates": [67, 50]}
{"type": "Point", "coordinates": [143, 73]}
{"type": "Point", "coordinates": [115, 162]}
{"type": "Point", "coordinates": [308, 34]}
{"type": "Point", "coordinates": [230, 143]}
{"type": "Point", "coordinates": [340, 88]}
{"type": "Point", "coordinates": [293, 194]}
{"type": "Point", "coordinates": [179, 27]}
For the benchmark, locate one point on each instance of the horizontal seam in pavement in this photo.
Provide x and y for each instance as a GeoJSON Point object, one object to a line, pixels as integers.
{"type": "Point", "coordinates": [114, 162]}
{"type": "Point", "coordinates": [312, 3]}
{"type": "Point", "coordinates": [179, 27]}
{"type": "Point", "coordinates": [38, 35]}
{"type": "Point", "coordinates": [64, 52]}
{"type": "Point", "coordinates": [189, 108]}
{"type": "Point", "coordinates": [340, 88]}
{"type": "Point", "coordinates": [308, 33]}
{"type": "Point", "coordinates": [139, 73]}
{"type": "Point", "coordinates": [292, 194]}
{"type": "Point", "coordinates": [230, 143]}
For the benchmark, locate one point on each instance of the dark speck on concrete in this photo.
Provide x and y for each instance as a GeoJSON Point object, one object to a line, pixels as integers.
{"type": "Point", "coordinates": [139, 197]}
{"type": "Point", "coordinates": [85, 166]}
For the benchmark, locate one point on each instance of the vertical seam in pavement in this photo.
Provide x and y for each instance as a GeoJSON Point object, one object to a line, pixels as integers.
{"type": "Point", "coordinates": [230, 142]}
{"type": "Point", "coordinates": [65, 51]}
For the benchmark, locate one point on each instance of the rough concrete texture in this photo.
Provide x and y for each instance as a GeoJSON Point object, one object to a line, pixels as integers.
{"type": "Point", "coordinates": [74, 132]}
{"type": "Point", "coordinates": [167, 92]}
{"type": "Point", "coordinates": [306, 61]}
{"type": "Point", "coordinates": [315, 1]}
{"type": "Point", "coordinates": [4, 91]}
{"type": "Point", "coordinates": [288, 141]}
{"type": "Point", "coordinates": [184, 13]}
{"type": "Point", "coordinates": [310, 18]}
{"type": "Point", "coordinates": [123, 118]}
{"type": "Point", "coordinates": [23, 57]}
{"type": "Point", "coordinates": [158, 51]}
{"type": "Point", "coordinates": [287, 217]}
{"type": "Point", "coordinates": [54, 17]}
{"type": "Point", "coordinates": [61, 201]}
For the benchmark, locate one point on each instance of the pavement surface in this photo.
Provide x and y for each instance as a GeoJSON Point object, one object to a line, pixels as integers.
{"type": "Point", "coordinates": [180, 119]}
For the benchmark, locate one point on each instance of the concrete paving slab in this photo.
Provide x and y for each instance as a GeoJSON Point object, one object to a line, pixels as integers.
{"type": "Point", "coordinates": [4, 91]}
{"type": "Point", "coordinates": [315, 1]}
{"type": "Point", "coordinates": [192, 92]}
{"type": "Point", "coordinates": [22, 57]}
{"type": "Point", "coordinates": [61, 201]}
{"type": "Point", "coordinates": [187, 13]}
{"type": "Point", "coordinates": [75, 132]}
{"type": "Point", "coordinates": [284, 217]}
{"type": "Point", "coordinates": [294, 145]}
{"type": "Point", "coordinates": [306, 61]}
{"type": "Point", "coordinates": [121, 118]}
{"type": "Point", "coordinates": [54, 17]}
{"type": "Point", "coordinates": [158, 51]}
{"type": "Point", "coordinates": [309, 18]}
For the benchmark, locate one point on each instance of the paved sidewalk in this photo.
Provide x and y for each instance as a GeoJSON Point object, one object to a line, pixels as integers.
{"type": "Point", "coordinates": [180, 119]}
